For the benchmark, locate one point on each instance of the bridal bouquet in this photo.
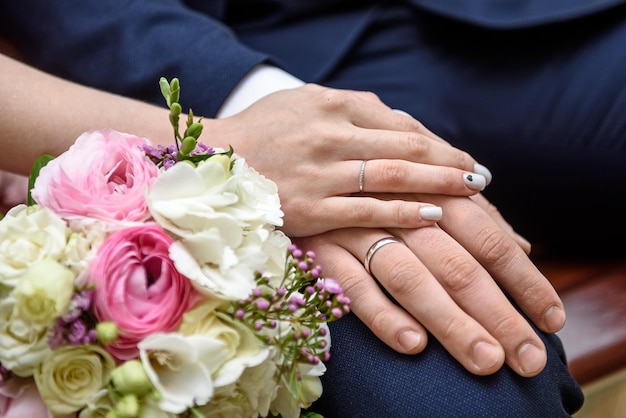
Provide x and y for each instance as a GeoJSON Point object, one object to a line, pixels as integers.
{"type": "Point", "coordinates": [152, 282]}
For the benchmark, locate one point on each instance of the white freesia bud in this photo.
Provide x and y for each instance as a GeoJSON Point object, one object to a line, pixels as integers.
{"type": "Point", "coordinates": [127, 407]}
{"type": "Point", "coordinates": [131, 378]}
{"type": "Point", "coordinates": [107, 331]}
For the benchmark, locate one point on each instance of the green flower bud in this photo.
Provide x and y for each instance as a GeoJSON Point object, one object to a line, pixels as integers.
{"type": "Point", "coordinates": [155, 395]}
{"type": "Point", "coordinates": [188, 145]}
{"type": "Point", "coordinates": [111, 414]}
{"type": "Point", "coordinates": [128, 407]}
{"type": "Point", "coordinates": [174, 90]}
{"type": "Point", "coordinates": [176, 109]}
{"type": "Point", "coordinates": [131, 378]}
{"type": "Point", "coordinates": [165, 89]}
{"type": "Point", "coordinates": [194, 130]}
{"type": "Point", "coordinates": [107, 331]}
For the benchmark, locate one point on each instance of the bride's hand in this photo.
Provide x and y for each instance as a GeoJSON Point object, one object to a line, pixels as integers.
{"type": "Point", "coordinates": [314, 143]}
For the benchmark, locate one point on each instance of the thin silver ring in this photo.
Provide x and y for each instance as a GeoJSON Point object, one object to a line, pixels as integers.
{"type": "Point", "coordinates": [377, 246]}
{"type": "Point", "coordinates": [362, 175]}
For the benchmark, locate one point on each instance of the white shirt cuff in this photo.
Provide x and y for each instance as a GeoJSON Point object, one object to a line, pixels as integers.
{"type": "Point", "coordinates": [261, 81]}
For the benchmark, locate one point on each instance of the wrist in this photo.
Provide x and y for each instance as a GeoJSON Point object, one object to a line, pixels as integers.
{"type": "Point", "coordinates": [261, 81]}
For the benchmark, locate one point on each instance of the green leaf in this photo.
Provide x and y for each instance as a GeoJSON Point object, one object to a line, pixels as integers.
{"type": "Point", "coordinates": [34, 173]}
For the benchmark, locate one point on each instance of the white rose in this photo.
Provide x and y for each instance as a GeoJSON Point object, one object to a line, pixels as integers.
{"type": "Point", "coordinates": [181, 195]}
{"type": "Point", "coordinates": [23, 345]}
{"type": "Point", "coordinates": [231, 273]}
{"type": "Point", "coordinates": [275, 247]}
{"type": "Point", "coordinates": [258, 196]}
{"type": "Point", "coordinates": [222, 218]}
{"type": "Point", "coordinates": [27, 235]}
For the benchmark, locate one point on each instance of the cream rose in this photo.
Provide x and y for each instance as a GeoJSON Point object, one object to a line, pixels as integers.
{"type": "Point", "coordinates": [243, 349]}
{"type": "Point", "coordinates": [43, 292]}
{"type": "Point", "coordinates": [70, 376]}
{"type": "Point", "coordinates": [23, 345]}
{"type": "Point", "coordinates": [28, 235]}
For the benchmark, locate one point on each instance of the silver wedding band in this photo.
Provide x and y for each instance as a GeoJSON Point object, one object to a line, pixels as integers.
{"type": "Point", "coordinates": [377, 246]}
{"type": "Point", "coordinates": [362, 175]}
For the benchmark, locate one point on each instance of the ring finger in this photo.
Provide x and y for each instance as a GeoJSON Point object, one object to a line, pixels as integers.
{"type": "Point", "coordinates": [407, 280]}
{"type": "Point", "coordinates": [399, 176]}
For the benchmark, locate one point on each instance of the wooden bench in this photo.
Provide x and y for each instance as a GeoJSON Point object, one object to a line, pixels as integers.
{"type": "Point", "coordinates": [594, 294]}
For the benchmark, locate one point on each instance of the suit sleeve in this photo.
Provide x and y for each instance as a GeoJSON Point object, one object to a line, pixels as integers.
{"type": "Point", "coordinates": [126, 46]}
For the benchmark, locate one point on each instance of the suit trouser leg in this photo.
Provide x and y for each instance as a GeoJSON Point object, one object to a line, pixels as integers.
{"type": "Point", "coordinates": [365, 378]}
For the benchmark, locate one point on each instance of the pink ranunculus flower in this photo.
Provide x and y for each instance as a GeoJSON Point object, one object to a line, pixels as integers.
{"type": "Point", "coordinates": [138, 287]}
{"type": "Point", "coordinates": [103, 176]}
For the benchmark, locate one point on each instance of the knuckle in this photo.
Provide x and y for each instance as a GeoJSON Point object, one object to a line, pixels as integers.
{"type": "Point", "coordinates": [403, 214]}
{"type": "Point", "coordinates": [392, 175]}
{"type": "Point", "coordinates": [370, 95]}
{"type": "Point", "coordinates": [460, 273]}
{"type": "Point", "coordinates": [379, 321]}
{"type": "Point", "coordinates": [402, 279]}
{"type": "Point", "coordinates": [333, 99]}
{"type": "Point", "coordinates": [464, 160]}
{"type": "Point", "coordinates": [506, 324]}
{"type": "Point", "coordinates": [364, 214]}
{"type": "Point", "coordinates": [449, 178]}
{"type": "Point", "coordinates": [418, 147]}
{"type": "Point", "coordinates": [453, 328]}
{"type": "Point", "coordinates": [495, 246]}
{"type": "Point", "coordinates": [351, 282]}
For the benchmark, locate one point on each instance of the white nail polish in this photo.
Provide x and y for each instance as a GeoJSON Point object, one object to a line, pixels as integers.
{"type": "Point", "coordinates": [431, 213]}
{"type": "Point", "coordinates": [475, 181]}
{"type": "Point", "coordinates": [402, 112]}
{"type": "Point", "coordinates": [483, 171]}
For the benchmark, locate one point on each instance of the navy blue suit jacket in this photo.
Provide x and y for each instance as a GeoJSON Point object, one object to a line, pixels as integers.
{"type": "Point", "coordinates": [125, 46]}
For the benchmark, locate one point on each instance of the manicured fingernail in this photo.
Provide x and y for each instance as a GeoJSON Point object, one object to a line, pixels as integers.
{"type": "Point", "coordinates": [409, 340]}
{"type": "Point", "coordinates": [402, 112]}
{"type": "Point", "coordinates": [486, 355]}
{"type": "Point", "coordinates": [554, 318]}
{"type": "Point", "coordinates": [475, 181]}
{"type": "Point", "coordinates": [431, 213]}
{"type": "Point", "coordinates": [483, 171]}
{"type": "Point", "coordinates": [531, 358]}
